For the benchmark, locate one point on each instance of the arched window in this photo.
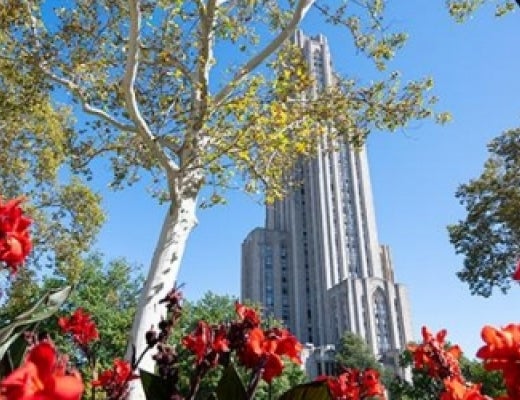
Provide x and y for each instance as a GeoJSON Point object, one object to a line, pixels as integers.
{"type": "Point", "coordinates": [382, 321]}
{"type": "Point", "coordinates": [268, 279]}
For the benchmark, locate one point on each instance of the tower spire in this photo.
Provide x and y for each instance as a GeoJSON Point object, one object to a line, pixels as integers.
{"type": "Point", "coordinates": [334, 276]}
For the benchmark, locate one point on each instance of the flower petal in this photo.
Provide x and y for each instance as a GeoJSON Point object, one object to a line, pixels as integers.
{"type": "Point", "coordinates": [68, 387]}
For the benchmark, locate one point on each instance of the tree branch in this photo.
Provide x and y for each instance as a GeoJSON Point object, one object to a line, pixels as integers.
{"type": "Point", "coordinates": [128, 86]}
{"type": "Point", "coordinates": [201, 87]}
{"type": "Point", "coordinates": [194, 138]}
{"type": "Point", "coordinates": [300, 11]}
{"type": "Point", "coordinates": [172, 60]}
{"type": "Point", "coordinates": [88, 108]}
{"type": "Point", "coordinates": [165, 143]}
{"type": "Point", "coordinates": [88, 158]}
{"type": "Point", "coordinates": [71, 85]}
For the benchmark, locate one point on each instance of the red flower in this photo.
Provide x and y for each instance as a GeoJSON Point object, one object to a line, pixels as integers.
{"type": "Point", "coordinates": [265, 349]}
{"type": "Point", "coordinates": [500, 343]}
{"type": "Point", "coordinates": [250, 354]}
{"type": "Point", "coordinates": [287, 345]}
{"type": "Point", "coordinates": [220, 342]}
{"type": "Point", "coordinates": [260, 352]}
{"type": "Point", "coordinates": [516, 274]}
{"type": "Point", "coordinates": [455, 389]}
{"type": "Point", "coordinates": [117, 377]}
{"type": "Point", "coordinates": [15, 240]}
{"type": "Point", "coordinates": [371, 386]}
{"type": "Point", "coordinates": [247, 315]}
{"type": "Point", "coordinates": [346, 386]}
{"type": "Point", "coordinates": [207, 343]}
{"type": "Point", "coordinates": [355, 385]}
{"type": "Point", "coordinates": [115, 381]}
{"type": "Point", "coordinates": [198, 341]}
{"type": "Point", "coordinates": [273, 367]}
{"type": "Point", "coordinates": [502, 353]}
{"type": "Point", "coordinates": [121, 373]}
{"type": "Point", "coordinates": [435, 357]}
{"type": "Point", "coordinates": [81, 326]}
{"type": "Point", "coordinates": [41, 377]}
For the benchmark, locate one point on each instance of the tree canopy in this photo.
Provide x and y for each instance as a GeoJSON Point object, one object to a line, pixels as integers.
{"type": "Point", "coordinates": [353, 352]}
{"type": "Point", "coordinates": [489, 235]}
{"type": "Point", "coordinates": [108, 291]}
{"type": "Point", "coordinates": [149, 81]}
{"type": "Point", "coordinates": [492, 381]}
{"type": "Point", "coordinates": [35, 142]}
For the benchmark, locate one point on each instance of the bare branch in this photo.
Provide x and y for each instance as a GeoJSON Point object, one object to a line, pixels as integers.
{"type": "Point", "coordinates": [128, 85]}
{"type": "Point", "coordinates": [88, 108]}
{"type": "Point", "coordinates": [90, 157]}
{"type": "Point", "coordinates": [300, 11]}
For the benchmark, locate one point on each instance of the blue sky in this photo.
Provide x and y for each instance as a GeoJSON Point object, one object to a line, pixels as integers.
{"type": "Point", "coordinates": [414, 172]}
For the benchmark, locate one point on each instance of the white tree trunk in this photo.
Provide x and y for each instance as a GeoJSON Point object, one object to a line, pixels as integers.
{"type": "Point", "coordinates": [178, 224]}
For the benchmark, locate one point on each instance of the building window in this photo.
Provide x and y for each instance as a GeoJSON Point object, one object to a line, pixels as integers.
{"type": "Point", "coordinates": [330, 367]}
{"type": "Point", "coordinates": [382, 321]}
{"type": "Point", "coordinates": [268, 279]}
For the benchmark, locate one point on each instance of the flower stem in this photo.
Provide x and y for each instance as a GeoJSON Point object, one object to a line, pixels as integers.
{"type": "Point", "coordinates": [195, 380]}
{"type": "Point", "coordinates": [255, 380]}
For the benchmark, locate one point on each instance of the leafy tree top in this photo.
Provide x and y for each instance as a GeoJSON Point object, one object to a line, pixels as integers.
{"type": "Point", "coordinates": [489, 235]}
{"type": "Point", "coordinates": [146, 71]}
{"type": "Point", "coordinates": [35, 142]}
{"type": "Point", "coordinates": [353, 352]}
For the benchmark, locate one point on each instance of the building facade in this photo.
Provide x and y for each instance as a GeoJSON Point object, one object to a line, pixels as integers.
{"type": "Point", "coordinates": [317, 264]}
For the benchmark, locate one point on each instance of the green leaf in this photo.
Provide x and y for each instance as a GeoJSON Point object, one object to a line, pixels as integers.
{"type": "Point", "coordinates": [44, 308]}
{"type": "Point", "coordinates": [14, 355]}
{"type": "Point", "coordinates": [155, 387]}
{"type": "Point", "coordinates": [11, 349]}
{"type": "Point", "coordinates": [308, 391]}
{"type": "Point", "coordinates": [230, 385]}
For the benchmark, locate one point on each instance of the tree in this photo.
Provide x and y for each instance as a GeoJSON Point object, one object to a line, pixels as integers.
{"type": "Point", "coordinates": [353, 352]}
{"type": "Point", "coordinates": [462, 9]}
{"type": "Point", "coordinates": [292, 375]}
{"type": "Point", "coordinates": [492, 381]}
{"type": "Point", "coordinates": [109, 292]}
{"type": "Point", "coordinates": [489, 236]}
{"type": "Point", "coordinates": [144, 74]}
{"type": "Point", "coordinates": [35, 140]}
{"type": "Point", "coordinates": [421, 387]}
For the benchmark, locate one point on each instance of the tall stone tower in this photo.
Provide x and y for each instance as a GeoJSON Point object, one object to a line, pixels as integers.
{"type": "Point", "coordinates": [317, 264]}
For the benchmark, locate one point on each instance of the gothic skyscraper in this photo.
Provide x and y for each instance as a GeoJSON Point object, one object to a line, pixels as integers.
{"type": "Point", "coordinates": [317, 264]}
